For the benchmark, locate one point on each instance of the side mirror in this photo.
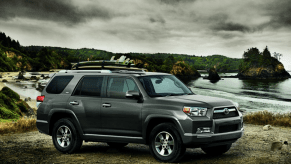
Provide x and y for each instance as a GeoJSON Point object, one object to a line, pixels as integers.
{"type": "Point", "coordinates": [132, 94]}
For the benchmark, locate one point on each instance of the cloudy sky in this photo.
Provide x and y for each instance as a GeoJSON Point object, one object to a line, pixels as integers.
{"type": "Point", "coordinates": [194, 27]}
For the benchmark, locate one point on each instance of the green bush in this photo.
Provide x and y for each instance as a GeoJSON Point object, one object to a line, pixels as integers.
{"type": "Point", "coordinates": [10, 93]}
{"type": "Point", "coordinates": [22, 107]}
{"type": "Point", "coordinates": [7, 114]}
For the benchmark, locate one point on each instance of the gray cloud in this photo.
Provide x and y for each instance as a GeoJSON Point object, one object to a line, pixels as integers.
{"type": "Point", "coordinates": [52, 10]}
{"type": "Point", "coordinates": [279, 11]}
{"type": "Point", "coordinates": [230, 26]}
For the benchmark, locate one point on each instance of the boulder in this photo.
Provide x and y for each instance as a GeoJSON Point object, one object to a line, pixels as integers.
{"type": "Point", "coordinates": [213, 75]}
{"type": "Point", "coordinates": [267, 127]}
{"type": "Point", "coordinates": [4, 80]}
{"type": "Point", "coordinates": [276, 146]}
{"type": "Point", "coordinates": [20, 75]}
{"type": "Point", "coordinates": [42, 75]}
{"type": "Point", "coordinates": [33, 78]}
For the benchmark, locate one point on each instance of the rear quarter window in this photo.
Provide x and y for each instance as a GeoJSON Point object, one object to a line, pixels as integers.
{"type": "Point", "coordinates": [58, 84]}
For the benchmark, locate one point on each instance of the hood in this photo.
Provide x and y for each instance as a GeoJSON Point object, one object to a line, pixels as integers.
{"type": "Point", "coordinates": [198, 100]}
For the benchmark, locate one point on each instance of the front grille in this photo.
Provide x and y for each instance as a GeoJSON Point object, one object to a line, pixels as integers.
{"type": "Point", "coordinates": [219, 113]}
{"type": "Point", "coordinates": [227, 128]}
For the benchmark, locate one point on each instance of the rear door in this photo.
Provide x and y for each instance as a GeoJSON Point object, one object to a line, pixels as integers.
{"type": "Point", "coordinates": [120, 115]}
{"type": "Point", "coordinates": [86, 103]}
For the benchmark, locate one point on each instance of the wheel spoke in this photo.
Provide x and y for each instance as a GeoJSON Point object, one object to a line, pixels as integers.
{"type": "Point", "coordinates": [66, 130]}
{"type": "Point", "coordinates": [169, 150]}
{"type": "Point", "coordinates": [167, 136]}
{"type": "Point", "coordinates": [68, 143]}
{"type": "Point", "coordinates": [69, 135]}
{"type": "Point", "coordinates": [59, 136]}
{"type": "Point", "coordinates": [63, 143]}
{"type": "Point", "coordinates": [162, 152]}
{"type": "Point", "coordinates": [61, 130]}
{"type": "Point", "coordinates": [161, 136]}
{"type": "Point", "coordinates": [158, 144]}
{"type": "Point", "coordinates": [171, 142]}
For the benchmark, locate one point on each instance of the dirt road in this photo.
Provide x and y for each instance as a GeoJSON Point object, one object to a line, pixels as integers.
{"type": "Point", "coordinates": [34, 147]}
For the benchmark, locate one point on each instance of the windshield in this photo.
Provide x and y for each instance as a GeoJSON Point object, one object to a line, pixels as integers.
{"type": "Point", "coordinates": [164, 85]}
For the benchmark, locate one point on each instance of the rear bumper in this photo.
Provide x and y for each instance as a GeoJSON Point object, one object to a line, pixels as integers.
{"type": "Point", "coordinates": [211, 139]}
{"type": "Point", "coordinates": [42, 126]}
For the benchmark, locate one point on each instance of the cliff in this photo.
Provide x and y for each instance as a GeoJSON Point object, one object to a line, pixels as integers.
{"type": "Point", "coordinates": [184, 72]}
{"type": "Point", "coordinates": [261, 66]}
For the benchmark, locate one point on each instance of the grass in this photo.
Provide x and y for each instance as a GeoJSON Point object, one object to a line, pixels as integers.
{"type": "Point", "coordinates": [21, 125]}
{"type": "Point", "coordinates": [268, 118]}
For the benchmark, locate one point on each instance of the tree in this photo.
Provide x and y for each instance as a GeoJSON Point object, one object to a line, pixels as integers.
{"type": "Point", "coordinates": [277, 55]}
{"type": "Point", "coordinates": [266, 53]}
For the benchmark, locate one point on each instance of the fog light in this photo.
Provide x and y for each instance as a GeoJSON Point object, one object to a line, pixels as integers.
{"type": "Point", "coordinates": [203, 130]}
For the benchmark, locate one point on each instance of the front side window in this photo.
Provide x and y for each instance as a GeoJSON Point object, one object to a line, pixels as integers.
{"type": "Point", "coordinates": [163, 85]}
{"type": "Point", "coordinates": [118, 86]}
{"type": "Point", "coordinates": [58, 84]}
{"type": "Point", "coordinates": [89, 86]}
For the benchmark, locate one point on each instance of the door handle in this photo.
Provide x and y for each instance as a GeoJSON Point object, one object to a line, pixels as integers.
{"type": "Point", "coordinates": [74, 103]}
{"type": "Point", "coordinates": [106, 105]}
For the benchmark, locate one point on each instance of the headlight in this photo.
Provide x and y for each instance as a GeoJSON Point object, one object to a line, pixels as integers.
{"type": "Point", "coordinates": [195, 111]}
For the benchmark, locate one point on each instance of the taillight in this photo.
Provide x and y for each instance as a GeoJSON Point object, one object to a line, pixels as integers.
{"type": "Point", "coordinates": [40, 98]}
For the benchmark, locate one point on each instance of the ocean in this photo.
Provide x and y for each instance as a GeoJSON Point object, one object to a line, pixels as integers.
{"type": "Point", "coordinates": [252, 95]}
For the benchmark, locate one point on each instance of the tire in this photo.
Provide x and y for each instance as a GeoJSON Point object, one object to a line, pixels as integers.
{"type": "Point", "coordinates": [69, 140]}
{"type": "Point", "coordinates": [116, 144]}
{"type": "Point", "coordinates": [166, 144]}
{"type": "Point", "coordinates": [216, 150]}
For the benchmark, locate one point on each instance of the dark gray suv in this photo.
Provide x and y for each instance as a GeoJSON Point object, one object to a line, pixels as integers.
{"type": "Point", "coordinates": [121, 107]}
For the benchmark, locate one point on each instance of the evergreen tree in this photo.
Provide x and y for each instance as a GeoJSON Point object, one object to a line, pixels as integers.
{"type": "Point", "coordinates": [266, 53]}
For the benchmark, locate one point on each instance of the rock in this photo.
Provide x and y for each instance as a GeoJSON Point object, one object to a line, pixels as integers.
{"type": "Point", "coordinates": [267, 127]}
{"type": "Point", "coordinates": [25, 87]}
{"type": "Point", "coordinates": [33, 78]}
{"type": "Point", "coordinates": [29, 99]}
{"type": "Point", "coordinates": [276, 146]}
{"type": "Point", "coordinates": [0, 76]}
{"type": "Point", "coordinates": [4, 80]}
{"type": "Point", "coordinates": [20, 75]}
{"type": "Point", "coordinates": [42, 75]}
{"type": "Point", "coordinates": [25, 99]}
{"type": "Point", "coordinates": [25, 117]}
{"type": "Point", "coordinates": [213, 75]}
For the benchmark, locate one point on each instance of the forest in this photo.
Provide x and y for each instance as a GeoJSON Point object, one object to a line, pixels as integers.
{"type": "Point", "coordinates": [41, 58]}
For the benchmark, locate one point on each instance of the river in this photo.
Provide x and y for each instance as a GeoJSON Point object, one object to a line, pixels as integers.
{"type": "Point", "coordinates": [252, 95]}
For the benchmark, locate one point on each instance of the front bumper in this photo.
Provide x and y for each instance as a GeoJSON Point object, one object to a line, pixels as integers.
{"type": "Point", "coordinates": [211, 139]}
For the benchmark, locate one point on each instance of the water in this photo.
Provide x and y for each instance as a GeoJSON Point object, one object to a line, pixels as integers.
{"type": "Point", "coordinates": [30, 91]}
{"type": "Point", "coordinates": [252, 95]}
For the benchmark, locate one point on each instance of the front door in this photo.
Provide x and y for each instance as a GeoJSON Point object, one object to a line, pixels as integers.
{"type": "Point", "coordinates": [120, 115]}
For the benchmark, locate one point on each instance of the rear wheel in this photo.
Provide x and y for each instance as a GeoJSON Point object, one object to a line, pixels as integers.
{"type": "Point", "coordinates": [166, 144]}
{"type": "Point", "coordinates": [116, 144]}
{"type": "Point", "coordinates": [66, 137]}
{"type": "Point", "coordinates": [216, 150]}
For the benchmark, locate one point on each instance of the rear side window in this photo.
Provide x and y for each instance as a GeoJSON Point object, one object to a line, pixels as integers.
{"type": "Point", "coordinates": [90, 86]}
{"type": "Point", "coordinates": [58, 84]}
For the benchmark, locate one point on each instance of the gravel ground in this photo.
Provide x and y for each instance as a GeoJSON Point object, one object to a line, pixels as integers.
{"type": "Point", "coordinates": [34, 147]}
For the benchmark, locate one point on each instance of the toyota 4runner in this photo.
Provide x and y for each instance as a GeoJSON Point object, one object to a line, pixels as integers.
{"type": "Point", "coordinates": [121, 107]}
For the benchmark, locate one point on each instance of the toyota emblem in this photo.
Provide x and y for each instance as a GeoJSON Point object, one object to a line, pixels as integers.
{"type": "Point", "coordinates": [226, 111]}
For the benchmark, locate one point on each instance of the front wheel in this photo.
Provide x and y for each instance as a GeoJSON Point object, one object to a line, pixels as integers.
{"type": "Point", "coordinates": [216, 150]}
{"type": "Point", "coordinates": [166, 144]}
{"type": "Point", "coordinates": [66, 137]}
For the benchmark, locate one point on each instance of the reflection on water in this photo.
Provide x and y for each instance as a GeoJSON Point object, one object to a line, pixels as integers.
{"type": "Point", "coordinates": [24, 88]}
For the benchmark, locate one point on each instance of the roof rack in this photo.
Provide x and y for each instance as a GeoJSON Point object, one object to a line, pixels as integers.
{"type": "Point", "coordinates": [102, 71]}
{"type": "Point", "coordinates": [107, 65]}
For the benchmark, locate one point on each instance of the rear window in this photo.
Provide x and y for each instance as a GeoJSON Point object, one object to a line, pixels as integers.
{"type": "Point", "coordinates": [58, 84]}
{"type": "Point", "coordinates": [89, 86]}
